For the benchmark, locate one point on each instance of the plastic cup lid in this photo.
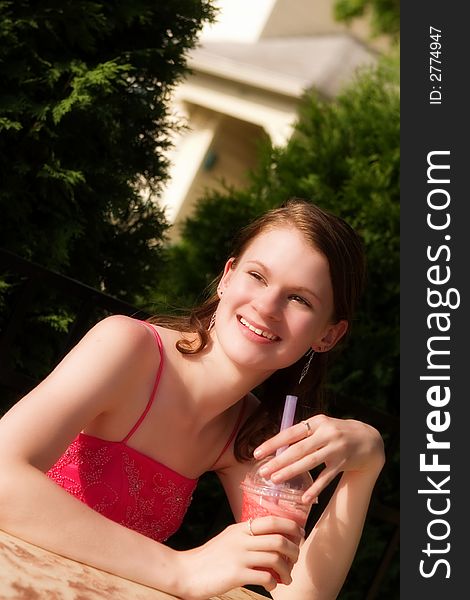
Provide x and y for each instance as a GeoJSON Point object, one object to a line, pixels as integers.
{"type": "Point", "coordinates": [272, 490]}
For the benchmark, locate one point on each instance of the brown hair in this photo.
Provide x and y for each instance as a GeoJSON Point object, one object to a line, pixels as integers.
{"type": "Point", "coordinates": [342, 247]}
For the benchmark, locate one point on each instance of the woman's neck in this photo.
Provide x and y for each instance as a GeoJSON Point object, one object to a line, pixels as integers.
{"type": "Point", "coordinates": [211, 383]}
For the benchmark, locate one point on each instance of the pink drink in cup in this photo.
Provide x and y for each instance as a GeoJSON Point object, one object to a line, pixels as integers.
{"type": "Point", "coordinates": [262, 497]}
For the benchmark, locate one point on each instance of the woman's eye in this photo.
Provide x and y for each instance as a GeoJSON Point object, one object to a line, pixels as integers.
{"type": "Point", "coordinates": [255, 275]}
{"type": "Point", "coordinates": [300, 300]}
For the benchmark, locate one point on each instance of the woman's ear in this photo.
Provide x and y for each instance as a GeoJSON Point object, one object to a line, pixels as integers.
{"type": "Point", "coordinates": [333, 335]}
{"type": "Point", "coordinates": [228, 270]}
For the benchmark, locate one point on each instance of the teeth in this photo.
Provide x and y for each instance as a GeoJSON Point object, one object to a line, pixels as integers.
{"type": "Point", "coordinates": [260, 332]}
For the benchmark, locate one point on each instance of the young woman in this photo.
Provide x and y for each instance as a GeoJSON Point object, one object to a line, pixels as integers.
{"type": "Point", "coordinates": [99, 461]}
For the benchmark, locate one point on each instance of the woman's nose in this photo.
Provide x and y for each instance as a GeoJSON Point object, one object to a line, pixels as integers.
{"type": "Point", "coordinates": [267, 304]}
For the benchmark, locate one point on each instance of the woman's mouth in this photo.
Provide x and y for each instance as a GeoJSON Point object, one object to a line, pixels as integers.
{"type": "Point", "coordinates": [260, 332]}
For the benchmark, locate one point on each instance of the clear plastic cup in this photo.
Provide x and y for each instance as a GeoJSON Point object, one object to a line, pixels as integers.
{"type": "Point", "coordinates": [263, 497]}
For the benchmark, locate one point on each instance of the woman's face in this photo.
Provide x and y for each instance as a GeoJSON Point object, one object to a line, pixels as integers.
{"type": "Point", "coordinates": [277, 302]}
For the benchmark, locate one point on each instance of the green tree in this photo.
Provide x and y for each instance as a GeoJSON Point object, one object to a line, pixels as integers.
{"type": "Point", "coordinates": [84, 122]}
{"type": "Point", "coordinates": [385, 14]}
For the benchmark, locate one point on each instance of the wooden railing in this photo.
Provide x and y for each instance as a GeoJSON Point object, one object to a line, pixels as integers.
{"type": "Point", "coordinates": [27, 571]}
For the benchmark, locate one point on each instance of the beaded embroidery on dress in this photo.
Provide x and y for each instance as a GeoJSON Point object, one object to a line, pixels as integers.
{"type": "Point", "coordinates": [124, 485]}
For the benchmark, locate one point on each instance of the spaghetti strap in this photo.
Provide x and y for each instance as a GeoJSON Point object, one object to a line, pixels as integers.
{"type": "Point", "coordinates": [234, 431]}
{"type": "Point", "coordinates": [155, 385]}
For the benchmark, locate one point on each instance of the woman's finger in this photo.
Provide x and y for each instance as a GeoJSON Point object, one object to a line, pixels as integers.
{"type": "Point", "coordinates": [279, 565]}
{"type": "Point", "coordinates": [318, 428]}
{"type": "Point", "coordinates": [264, 578]}
{"type": "Point", "coordinates": [275, 525]}
{"type": "Point", "coordinates": [304, 463]}
{"type": "Point", "coordinates": [299, 457]}
{"type": "Point", "coordinates": [275, 543]}
{"type": "Point", "coordinates": [325, 477]}
{"type": "Point", "coordinates": [285, 438]}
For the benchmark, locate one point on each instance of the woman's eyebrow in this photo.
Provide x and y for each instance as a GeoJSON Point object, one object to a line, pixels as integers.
{"type": "Point", "coordinates": [259, 263]}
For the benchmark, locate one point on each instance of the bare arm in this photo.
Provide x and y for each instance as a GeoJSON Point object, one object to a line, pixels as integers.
{"type": "Point", "coordinates": [115, 361]}
{"type": "Point", "coordinates": [98, 375]}
{"type": "Point", "coordinates": [327, 553]}
{"type": "Point", "coordinates": [35, 509]}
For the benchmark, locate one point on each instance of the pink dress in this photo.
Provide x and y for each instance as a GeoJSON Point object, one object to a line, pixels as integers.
{"type": "Point", "coordinates": [125, 485]}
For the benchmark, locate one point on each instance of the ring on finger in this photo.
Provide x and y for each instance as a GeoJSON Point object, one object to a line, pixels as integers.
{"type": "Point", "coordinates": [250, 530]}
{"type": "Point", "coordinates": [309, 429]}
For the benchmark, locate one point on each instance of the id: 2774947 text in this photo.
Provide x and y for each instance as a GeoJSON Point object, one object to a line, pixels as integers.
{"type": "Point", "coordinates": [435, 65]}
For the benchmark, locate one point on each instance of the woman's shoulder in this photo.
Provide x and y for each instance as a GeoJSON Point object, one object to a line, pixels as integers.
{"type": "Point", "coordinates": [118, 324]}
{"type": "Point", "coordinates": [126, 332]}
{"type": "Point", "coordinates": [116, 360]}
{"type": "Point", "coordinates": [114, 342]}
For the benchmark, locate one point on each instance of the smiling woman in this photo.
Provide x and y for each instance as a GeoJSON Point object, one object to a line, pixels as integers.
{"type": "Point", "coordinates": [138, 411]}
{"type": "Point", "coordinates": [261, 293]}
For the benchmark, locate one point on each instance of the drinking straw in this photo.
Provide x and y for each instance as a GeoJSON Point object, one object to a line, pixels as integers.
{"type": "Point", "coordinates": [287, 417]}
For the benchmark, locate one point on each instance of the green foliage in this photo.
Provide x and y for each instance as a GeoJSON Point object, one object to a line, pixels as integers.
{"type": "Point", "coordinates": [385, 14]}
{"type": "Point", "coordinates": [84, 121]}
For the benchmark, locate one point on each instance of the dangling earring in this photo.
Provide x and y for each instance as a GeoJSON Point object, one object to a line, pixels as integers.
{"type": "Point", "coordinates": [212, 321]}
{"type": "Point", "coordinates": [310, 352]}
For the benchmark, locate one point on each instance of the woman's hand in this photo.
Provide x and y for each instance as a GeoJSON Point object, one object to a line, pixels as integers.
{"type": "Point", "coordinates": [234, 558]}
{"type": "Point", "coordinates": [339, 444]}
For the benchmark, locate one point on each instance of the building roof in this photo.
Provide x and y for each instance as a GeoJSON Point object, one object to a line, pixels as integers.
{"type": "Point", "coordinates": [287, 65]}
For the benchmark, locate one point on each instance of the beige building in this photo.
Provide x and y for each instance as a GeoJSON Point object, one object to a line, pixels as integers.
{"type": "Point", "coordinates": [248, 75]}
